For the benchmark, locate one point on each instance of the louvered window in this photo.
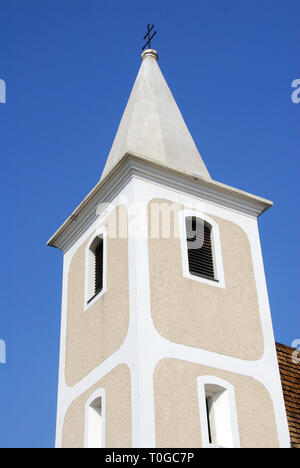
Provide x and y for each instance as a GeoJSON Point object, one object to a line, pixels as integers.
{"type": "Point", "coordinates": [199, 244]}
{"type": "Point", "coordinates": [99, 267]}
{"type": "Point", "coordinates": [95, 274]}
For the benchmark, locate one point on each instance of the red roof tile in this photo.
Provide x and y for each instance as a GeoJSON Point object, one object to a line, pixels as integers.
{"type": "Point", "coordinates": [290, 378]}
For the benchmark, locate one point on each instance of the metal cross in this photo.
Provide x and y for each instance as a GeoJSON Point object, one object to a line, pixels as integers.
{"type": "Point", "coordinates": [148, 43]}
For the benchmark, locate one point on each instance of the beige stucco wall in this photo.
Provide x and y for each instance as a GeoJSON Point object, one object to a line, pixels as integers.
{"type": "Point", "coordinates": [93, 335]}
{"type": "Point", "coordinates": [118, 431]}
{"type": "Point", "coordinates": [226, 321]}
{"type": "Point", "coordinates": [177, 409]}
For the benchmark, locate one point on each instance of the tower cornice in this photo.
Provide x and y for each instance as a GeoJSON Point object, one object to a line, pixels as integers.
{"type": "Point", "coordinates": [135, 166]}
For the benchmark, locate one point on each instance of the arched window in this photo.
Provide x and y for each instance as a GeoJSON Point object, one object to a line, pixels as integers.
{"type": "Point", "coordinates": [200, 250]}
{"type": "Point", "coordinates": [95, 421]}
{"type": "Point", "coordinates": [95, 277]}
{"type": "Point", "coordinates": [218, 417]}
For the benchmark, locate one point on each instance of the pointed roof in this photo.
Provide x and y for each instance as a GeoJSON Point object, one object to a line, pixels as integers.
{"type": "Point", "coordinates": [152, 125]}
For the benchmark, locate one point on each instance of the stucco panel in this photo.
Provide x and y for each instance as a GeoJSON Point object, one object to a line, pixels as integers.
{"type": "Point", "coordinates": [118, 430]}
{"type": "Point", "coordinates": [226, 321]}
{"type": "Point", "coordinates": [93, 335]}
{"type": "Point", "coordinates": [177, 409]}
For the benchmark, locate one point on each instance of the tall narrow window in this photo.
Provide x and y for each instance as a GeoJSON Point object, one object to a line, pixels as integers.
{"type": "Point", "coordinates": [99, 266]}
{"type": "Point", "coordinates": [216, 421]}
{"type": "Point", "coordinates": [199, 245]}
{"type": "Point", "coordinates": [95, 268]}
{"type": "Point", "coordinates": [95, 424]}
{"type": "Point", "coordinates": [219, 426]}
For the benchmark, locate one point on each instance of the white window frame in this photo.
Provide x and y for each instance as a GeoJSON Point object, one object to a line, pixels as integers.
{"type": "Point", "coordinates": [219, 280]}
{"type": "Point", "coordinates": [100, 393]}
{"type": "Point", "coordinates": [101, 233]}
{"type": "Point", "coordinates": [231, 429]}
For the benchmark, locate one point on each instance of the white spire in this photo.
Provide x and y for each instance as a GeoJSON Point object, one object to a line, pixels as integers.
{"type": "Point", "coordinates": [152, 125]}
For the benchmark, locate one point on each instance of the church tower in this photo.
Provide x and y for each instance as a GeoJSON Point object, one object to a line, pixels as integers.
{"type": "Point", "coordinates": [166, 332]}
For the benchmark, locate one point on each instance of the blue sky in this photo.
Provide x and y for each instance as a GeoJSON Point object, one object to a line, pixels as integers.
{"type": "Point", "coordinates": [69, 66]}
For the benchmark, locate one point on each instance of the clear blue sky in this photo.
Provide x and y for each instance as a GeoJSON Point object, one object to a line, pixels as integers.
{"type": "Point", "coordinates": [69, 66]}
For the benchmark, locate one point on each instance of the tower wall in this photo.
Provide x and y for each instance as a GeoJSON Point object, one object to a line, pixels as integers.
{"type": "Point", "coordinates": [155, 331]}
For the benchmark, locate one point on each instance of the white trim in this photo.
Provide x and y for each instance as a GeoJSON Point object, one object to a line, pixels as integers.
{"type": "Point", "coordinates": [100, 393]}
{"type": "Point", "coordinates": [101, 233]}
{"type": "Point", "coordinates": [140, 346]}
{"type": "Point", "coordinates": [202, 381]}
{"type": "Point", "coordinates": [216, 249]}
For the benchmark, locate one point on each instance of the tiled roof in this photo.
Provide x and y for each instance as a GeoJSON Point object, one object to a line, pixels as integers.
{"type": "Point", "coordinates": [290, 377]}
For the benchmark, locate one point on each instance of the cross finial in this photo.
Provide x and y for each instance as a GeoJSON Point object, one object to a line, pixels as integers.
{"type": "Point", "coordinates": [148, 43]}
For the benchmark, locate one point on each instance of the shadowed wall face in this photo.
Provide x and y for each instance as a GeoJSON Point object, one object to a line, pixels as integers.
{"type": "Point", "coordinates": [95, 334]}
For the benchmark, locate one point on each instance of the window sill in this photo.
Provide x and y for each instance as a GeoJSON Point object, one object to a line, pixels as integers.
{"type": "Point", "coordinates": [217, 283]}
{"type": "Point", "coordinates": [209, 278]}
{"type": "Point", "coordinates": [89, 303]}
{"type": "Point", "coordinates": [94, 297]}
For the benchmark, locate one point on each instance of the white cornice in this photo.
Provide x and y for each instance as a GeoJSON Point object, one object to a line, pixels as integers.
{"type": "Point", "coordinates": [133, 165]}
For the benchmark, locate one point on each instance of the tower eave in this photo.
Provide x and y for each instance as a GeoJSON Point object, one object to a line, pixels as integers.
{"type": "Point", "coordinates": [132, 165]}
